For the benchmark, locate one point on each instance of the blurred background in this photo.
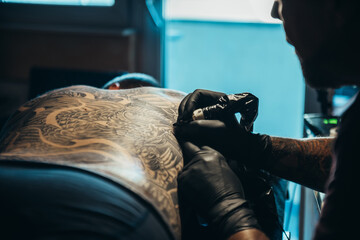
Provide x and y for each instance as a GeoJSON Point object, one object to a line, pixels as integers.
{"type": "Point", "coordinates": [231, 46]}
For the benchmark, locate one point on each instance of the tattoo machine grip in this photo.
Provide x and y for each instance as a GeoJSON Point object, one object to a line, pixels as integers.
{"type": "Point", "coordinates": [244, 103]}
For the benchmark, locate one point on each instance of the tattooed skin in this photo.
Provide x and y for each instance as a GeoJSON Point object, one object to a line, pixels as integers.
{"type": "Point", "coordinates": [306, 162]}
{"type": "Point", "coordinates": [125, 135]}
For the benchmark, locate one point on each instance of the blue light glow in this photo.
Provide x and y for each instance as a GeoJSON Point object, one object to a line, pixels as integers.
{"type": "Point", "coordinates": [106, 3]}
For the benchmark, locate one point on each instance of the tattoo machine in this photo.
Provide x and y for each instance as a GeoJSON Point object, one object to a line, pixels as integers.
{"type": "Point", "coordinates": [227, 106]}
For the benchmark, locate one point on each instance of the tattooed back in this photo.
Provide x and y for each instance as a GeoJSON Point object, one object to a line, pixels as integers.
{"type": "Point", "coordinates": [125, 135]}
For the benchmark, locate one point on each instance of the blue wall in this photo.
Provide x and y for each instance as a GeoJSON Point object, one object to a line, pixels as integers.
{"type": "Point", "coordinates": [239, 57]}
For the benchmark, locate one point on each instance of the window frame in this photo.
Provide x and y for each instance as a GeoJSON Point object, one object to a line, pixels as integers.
{"type": "Point", "coordinates": [65, 17]}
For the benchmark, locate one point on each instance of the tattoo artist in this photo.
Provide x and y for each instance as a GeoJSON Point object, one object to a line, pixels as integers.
{"type": "Point", "coordinates": [327, 43]}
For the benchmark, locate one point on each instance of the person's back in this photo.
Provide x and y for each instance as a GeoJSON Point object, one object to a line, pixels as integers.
{"type": "Point", "coordinates": [123, 135]}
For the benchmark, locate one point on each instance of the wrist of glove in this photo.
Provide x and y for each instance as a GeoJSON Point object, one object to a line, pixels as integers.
{"type": "Point", "coordinates": [260, 152]}
{"type": "Point", "coordinates": [230, 216]}
{"type": "Point", "coordinates": [214, 191]}
{"type": "Point", "coordinates": [253, 150]}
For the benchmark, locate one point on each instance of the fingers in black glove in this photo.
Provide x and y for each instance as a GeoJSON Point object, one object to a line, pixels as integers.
{"type": "Point", "coordinates": [214, 191]}
{"type": "Point", "coordinates": [254, 150]}
{"type": "Point", "coordinates": [189, 151]}
{"type": "Point", "coordinates": [200, 98]}
{"type": "Point", "coordinates": [207, 171]}
{"type": "Point", "coordinates": [213, 133]}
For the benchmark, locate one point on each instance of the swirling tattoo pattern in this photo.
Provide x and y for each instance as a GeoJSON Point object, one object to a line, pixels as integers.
{"type": "Point", "coordinates": [304, 161]}
{"type": "Point", "coordinates": [125, 135]}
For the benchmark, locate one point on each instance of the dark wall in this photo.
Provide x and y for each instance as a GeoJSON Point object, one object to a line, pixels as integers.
{"type": "Point", "coordinates": [88, 39]}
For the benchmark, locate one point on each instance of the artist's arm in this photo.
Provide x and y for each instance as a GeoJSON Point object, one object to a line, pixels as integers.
{"type": "Point", "coordinates": [215, 192]}
{"type": "Point", "coordinates": [304, 161]}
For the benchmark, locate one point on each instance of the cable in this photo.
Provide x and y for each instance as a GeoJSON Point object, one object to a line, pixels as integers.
{"type": "Point", "coordinates": [290, 211]}
{"type": "Point", "coordinates": [158, 20]}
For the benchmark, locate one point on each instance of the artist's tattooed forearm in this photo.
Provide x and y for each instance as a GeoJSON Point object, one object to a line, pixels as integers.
{"type": "Point", "coordinates": [125, 135]}
{"type": "Point", "coordinates": [307, 162]}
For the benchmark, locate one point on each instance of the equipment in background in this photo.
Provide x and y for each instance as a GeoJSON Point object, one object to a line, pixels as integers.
{"type": "Point", "coordinates": [131, 80]}
{"type": "Point", "coordinates": [319, 125]}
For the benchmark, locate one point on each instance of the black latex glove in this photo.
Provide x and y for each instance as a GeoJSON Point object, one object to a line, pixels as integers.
{"type": "Point", "coordinates": [227, 137]}
{"type": "Point", "coordinates": [198, 99]}
{"type": "Point", "coordinates": [209, 185]}
{"type": "Point", "coordinates": [254, 150]}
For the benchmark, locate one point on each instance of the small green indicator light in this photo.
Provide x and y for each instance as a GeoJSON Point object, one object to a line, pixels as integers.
{"type": "Point", "coordinates": [333, 121]}
{"type": "Point", "coordinates": [326, 121]}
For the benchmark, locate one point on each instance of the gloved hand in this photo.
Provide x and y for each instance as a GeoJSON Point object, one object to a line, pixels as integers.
{"type": "Point", "coordinates": [198, 99]}
{"type": "Point", "coordinates": [254, 150]}
{"type": "Point", "coordinates": [209, 185]}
